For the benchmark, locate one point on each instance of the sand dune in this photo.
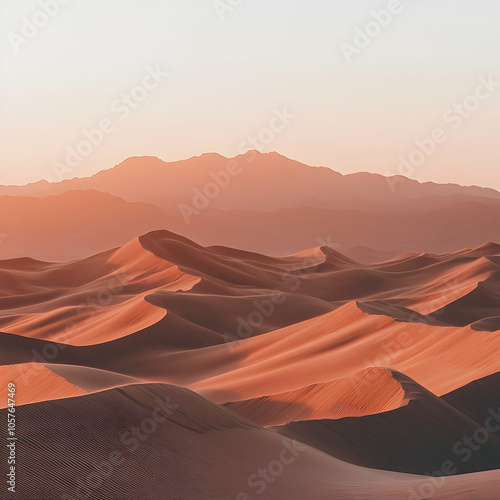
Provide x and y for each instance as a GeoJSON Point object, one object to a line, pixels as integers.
{"type": "Point", "coordinates": [438, 434]}
{"type": "Point", "coordinates": [477, 398]}
{"type": "Point", "coordinates": [35, 382]}
{"type": "Point", "coordinates": [349, 340]}
{"type": "Point", "coordinates": [480, 304]}
{"type": "Point", "coordinates": [324, 329]}
{"type": "Point", "coordinates": [107, 298]}
{"type": "Point", "coordinates": [331, 400]}
{"type": "Point", "coordinates": [97, 453]}
{"type": "Point", "coordinates": [380, 368]}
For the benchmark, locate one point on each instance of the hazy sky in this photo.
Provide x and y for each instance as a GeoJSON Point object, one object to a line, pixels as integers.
{"type": "Point", "coordinates": [231, 71]}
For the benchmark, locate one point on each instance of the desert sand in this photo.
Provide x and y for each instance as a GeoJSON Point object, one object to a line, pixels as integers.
{"type": "Point", "coordinates": [336, 378]}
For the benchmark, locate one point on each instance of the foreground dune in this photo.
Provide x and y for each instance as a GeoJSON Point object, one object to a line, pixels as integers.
{"type": "Point", "coordinates": [98, 443]}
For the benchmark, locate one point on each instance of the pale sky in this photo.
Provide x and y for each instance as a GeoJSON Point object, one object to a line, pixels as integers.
{"type": "Point", "coordinates": [229, 76]}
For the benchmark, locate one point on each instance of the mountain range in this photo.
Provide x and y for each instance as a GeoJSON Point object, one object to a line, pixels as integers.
{"type": "Point", "coordinates": [249, 202]}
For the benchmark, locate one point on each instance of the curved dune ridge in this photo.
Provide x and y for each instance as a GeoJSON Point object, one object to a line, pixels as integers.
{"type": "Point", "coordinates": [438, 433]}
{"type": "Point", "coordinates": [374, 366]}
{"type": "Point", "coordinates": [330, 400]}
{"type": "Point", "coordinates": [35, 382]}
{"type": "Point", "coordinates": [98, 299]}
